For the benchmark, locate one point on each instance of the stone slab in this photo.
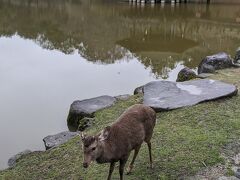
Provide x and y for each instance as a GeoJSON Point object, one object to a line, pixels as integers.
{"type": "Point", "coordinates": [166, 95]}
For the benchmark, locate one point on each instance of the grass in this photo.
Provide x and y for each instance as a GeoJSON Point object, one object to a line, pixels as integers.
{"type": "Point", "coordinates": [185, 141]}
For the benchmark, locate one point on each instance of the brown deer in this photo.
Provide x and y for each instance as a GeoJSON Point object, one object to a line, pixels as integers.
{"type": "Point", "coordinates": [115, 142]}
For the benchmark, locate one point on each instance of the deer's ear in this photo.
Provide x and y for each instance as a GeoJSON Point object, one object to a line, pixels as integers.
{"type": "Point", "coordinates": [105, 133]}
{"type": "Point", "coordinates": [82, 135]}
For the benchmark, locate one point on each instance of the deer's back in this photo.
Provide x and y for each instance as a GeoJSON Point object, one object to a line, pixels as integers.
{"type": "Point", "coordinates": [133, 127]}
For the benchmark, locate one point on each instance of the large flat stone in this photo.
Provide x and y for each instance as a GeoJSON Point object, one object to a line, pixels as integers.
{"type": "Point", "coordinates": [166, 95]}
{"type": "Point", "coordinates": [87, 107]}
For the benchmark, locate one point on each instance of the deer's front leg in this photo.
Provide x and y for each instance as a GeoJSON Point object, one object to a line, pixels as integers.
{"type": "Point", "coordinates": [111, 168]}
{"type": "Point", "coordinates": [129, 170]}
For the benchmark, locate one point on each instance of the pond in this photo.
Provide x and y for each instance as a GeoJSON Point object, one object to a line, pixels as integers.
{"type": "Point", "coordinates": [53, 52]}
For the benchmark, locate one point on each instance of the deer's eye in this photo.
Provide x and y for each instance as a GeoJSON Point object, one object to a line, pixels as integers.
{"type": "Point", "coordinates": [93, 148]}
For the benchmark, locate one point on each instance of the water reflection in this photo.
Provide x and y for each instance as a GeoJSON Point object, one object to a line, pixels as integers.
{"type": "Point", "coordinates": [96, 28]}
{"type": "Point", "coordinates": [157, 43]}
{"type": "Point", "coordinates": [54, 52]}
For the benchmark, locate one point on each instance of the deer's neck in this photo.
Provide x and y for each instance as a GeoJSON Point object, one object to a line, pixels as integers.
{"type": "Point", "coordinates": [104, 155]}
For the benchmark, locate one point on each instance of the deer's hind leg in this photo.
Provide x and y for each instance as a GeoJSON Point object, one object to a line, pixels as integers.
{"type": "Point", "coordinates": [150, 153]}
{"type": "Point", "coordinates": [148, 141]}
{"type": "Point", "coordinates": [130, 167]}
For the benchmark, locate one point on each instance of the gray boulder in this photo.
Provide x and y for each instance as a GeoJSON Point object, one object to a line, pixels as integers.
{"type": "Point", "coordinates": [237, 56]}
{"type": "Point", "coordinates": [215, 62]}
{"type": "Point", "coordinates": [58, 139]}
{"type": "Point", "coordinates": [87, 108]}
{"type": "Point", "coordinates": [166, 95]}
{"type": "Point", "coordinates": [12, 161]}
{"type": "Point", "coordinates": [186, 74]}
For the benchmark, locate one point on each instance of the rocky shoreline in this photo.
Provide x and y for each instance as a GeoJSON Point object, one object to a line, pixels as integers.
{"type": "Point", "coordinates": [82, 113]}
{"type": "Point", "coordinates": [164, 95]}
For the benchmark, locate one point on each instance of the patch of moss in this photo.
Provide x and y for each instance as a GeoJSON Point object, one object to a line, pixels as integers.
{"type": "Point", "coordinates": [185, 141]}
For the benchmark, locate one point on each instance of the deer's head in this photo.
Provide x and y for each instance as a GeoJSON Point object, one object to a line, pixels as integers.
{"type": "Point", "coordinates": [92, 146]}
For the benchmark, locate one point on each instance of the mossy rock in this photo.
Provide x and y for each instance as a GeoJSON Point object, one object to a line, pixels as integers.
{"type": "Point", "coordinates": [186, 74]}
{"type": "Point", "coordinates": [237, 56]}
{"type": "Point", "coordinates": [85, 123]}
{"type": "Point", "coordinates": [139, 90]}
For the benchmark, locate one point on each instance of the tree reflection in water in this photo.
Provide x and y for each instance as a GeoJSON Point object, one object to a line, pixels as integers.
{"type": "Point", "coordinates": [104, 32]}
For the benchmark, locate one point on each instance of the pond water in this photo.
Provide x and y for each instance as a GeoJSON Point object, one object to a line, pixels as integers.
{"type": "Point", "coordinates": [53, 52]}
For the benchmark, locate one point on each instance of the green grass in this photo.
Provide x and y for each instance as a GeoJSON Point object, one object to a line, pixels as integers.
{"type": "Point", "coordinates": [184, 142]}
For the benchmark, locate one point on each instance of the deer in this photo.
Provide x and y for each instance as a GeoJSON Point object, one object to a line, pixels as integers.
{"type": "Point", "coordinates": [115, 143]}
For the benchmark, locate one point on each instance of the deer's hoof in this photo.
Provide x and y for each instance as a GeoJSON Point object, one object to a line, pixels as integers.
{"type": "Point", "coordinates": [129, 170]}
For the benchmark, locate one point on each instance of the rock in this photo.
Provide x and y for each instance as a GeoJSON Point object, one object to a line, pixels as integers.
{"type": "Point", "coordinates": [85, 123]}
{"type": "Point", "coordinates": [166, 95]}
{"type": "Point", "coordinates": [12, 161]}
{"type": "Point", "coordinates": [209, 68]}
{"type": "Point", "coordinates": [86, 108]}
{"type": "Point", "coordinates": [204, 75]}
{"type": "Point", "coordinates": [123, 97]}
{"type": "Point", "coordinates": [138, 90]}
{"type": "Point", "coordinates": [186, 74]}
{"type": "Point", "coordinates": [237, 56]}
{"type": "Point", "coordinates": [58, 139]}
{"type": "Point", "coordinates": [215, 62]}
